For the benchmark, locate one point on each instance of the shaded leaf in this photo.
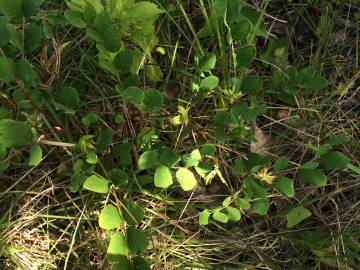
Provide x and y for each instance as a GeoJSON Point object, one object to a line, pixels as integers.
{"type": "Point", "coordinates": [147, 160]}
{"type": "Point", "coordinates": [133, 214]}
{"type": "Point", "coordinates": [286, 186]}
{"type": "Point", "coordinates": [297, 215]}
{"type": "Point", "coordinates": [313, 176]}
{"type": "Point", "coordinates": [334, 160]}
{"type": "Point", "coordinates": [246, 55]}
{"type": "Point", "coordinates": [137, 240]}
{"type": "Point", "coordinates": [169, 158]}
{"type": "Point", "coordinates": [14, 133]}
{"type": "Point", "coordinates": [35, 155]}
{"type": "Point", "coordinates": [193, 159]}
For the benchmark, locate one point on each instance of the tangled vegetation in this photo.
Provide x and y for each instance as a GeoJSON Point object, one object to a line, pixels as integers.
{"type": "Point", "coordinates": [209, 134]}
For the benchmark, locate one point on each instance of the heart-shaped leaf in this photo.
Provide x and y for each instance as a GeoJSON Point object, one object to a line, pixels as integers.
{"type": "Point", "coordinates": [252, 85]}
{"type": "Point", "coordinates": [132, 94]}
{"type": "Point", "coordinates": [153, 99]}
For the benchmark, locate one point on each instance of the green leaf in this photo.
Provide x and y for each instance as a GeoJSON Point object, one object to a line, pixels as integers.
{"type": "Point", "coordinates": [186, 179]}
{"type": "Point", "coordinates": [280, 164]}
{"type": "Point", "coordinates": [33, 37]}
{"type": "Point", "coordinates": [147, 160]}
{"type": "Point", "coordinates": [119, 177]}
{"type": "Point", "coordinates": [209, 82]}
{"type": "Point", "coordinates": [96, 184]}
{"type": "Point", "coordinates": [90, 119]}
{"type": "Point", "coordinates": [132, 94]}
{"type": "Point", "coordinates": [169, 158]}
{"type": "Point", "coordinates": [30, 7]}
{"type": "Point", "coordinates": [137, 240]}
{"type": "Point", "coordinates": [254, 190]}
{"type": "Point", "coordinates": [35, 155]}
{"type": "Point", "coordinates": [7, 69]}
{"type": "Point", "coordinates": [118, 247]}
{"type": "Point", "coordinates": [208, 149]}
{"type": "Point", "coordinates": [313, 176]}
{"type": "Point", "coordinates": [104, 140]}
{"type": "Point", "coordinates": [140, 264]}
{"type": "Point", "coordinates": [233, 213]}
{"type": "Point", "coordinates": [239, 167]}
{"type": "Point", "coordinates": [90, 13]}
{"type": "Point", "coordinates": [286, 186]}
{"type": "Point", "coordinates": [109, 218]}
{"type": "Point", "coordinates": [221, 217]}
{"type": "Point", "coordinates": [69, 97]}
{"type": "Point", "coordinates": [14, 133]}
{"type": "Point", "coordinates": [334, 160]}
{"type": "Point", "coordinates": [243, 203]}
{"type": "Point", "coordinates": [323, 149]}
{"type": "Point", "coordinates": [3, 151]}
{"type": "Point", "coordinates": [75, 18]}
{"type": "Point", "coordinates": [309, 165]}
{"type": "Point", "coordinates": [121, 263]}
{"type": "Point", "coordinates": [296, 215]}
{"type": "Point", "coordinates": [203, 170]}
{"type": "Point", "coordinates": [338, 140]}
{"type": "Point", "coordinates": [252, 85]}
{"type": "Point", "coordinates": [133, 214]}
{"type": "Point", "coordinates": [208, 62]}
{"type": "Point", "coordinates": [12, 8]}
{"type": "Point", "coordinates": [193, 159]}
{"type": "Point", "coordinates": [24, 72]}
{"type": "Point", "coordinates": [246, 55]}
{"type": "Point", "coordinates": [260, 206]}
{"type": "Point", "coordinates": [153, 99]}
{"type": "Point", "coordinates": [253, 160]}
{"type": "Point", "coordinates": [111, 38]}
{"type": "Point", "coordinates": [254, 17]}
{"type": "Point", "coordinates": [204, 217]}
{"type": "Point", "coordinates": [163, 177]}
{"type": "Point", "coordinates": [123, 61]}
{"type": "Point", "coordinates": [4, 31]}
{"type": "Point", "coordinates": [241, 30]}
{"type": "Point", "coordinates": [220, 6]}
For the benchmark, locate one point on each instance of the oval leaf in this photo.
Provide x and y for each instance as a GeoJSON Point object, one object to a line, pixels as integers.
{"type": "Point", "coordinates": [163, 178]}
{"type": "Point", "coordinates": [334, 160]}
{"type": "Point", "coordinates": [186, 179]}
{"type": "Point", "coordinates": [96, 184]}
{"type": "Point", "coordinates": [233, 213]}
{"type": "Point", "coordinates": [285, 186]}
{"type": "Point", "coordinates": [313, 176]}
{"type": "Point", "coordinates": [296, 215]}
{"type": "Point", "coordinates": [209, 82]}
{"type": "Point", "coordinates": [246, 55]}
{"type": "Point", "coordinates": [221, 217]}
{"type": "Point", "coordinates": [147, 160]}
{"type": "Point", "coordinates": [35, 155]}
{"type": "Point", "coordinates": [204, 217]}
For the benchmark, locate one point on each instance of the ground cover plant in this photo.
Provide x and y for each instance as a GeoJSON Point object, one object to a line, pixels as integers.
{"type": "Point", "coordinates": [210, 134]}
